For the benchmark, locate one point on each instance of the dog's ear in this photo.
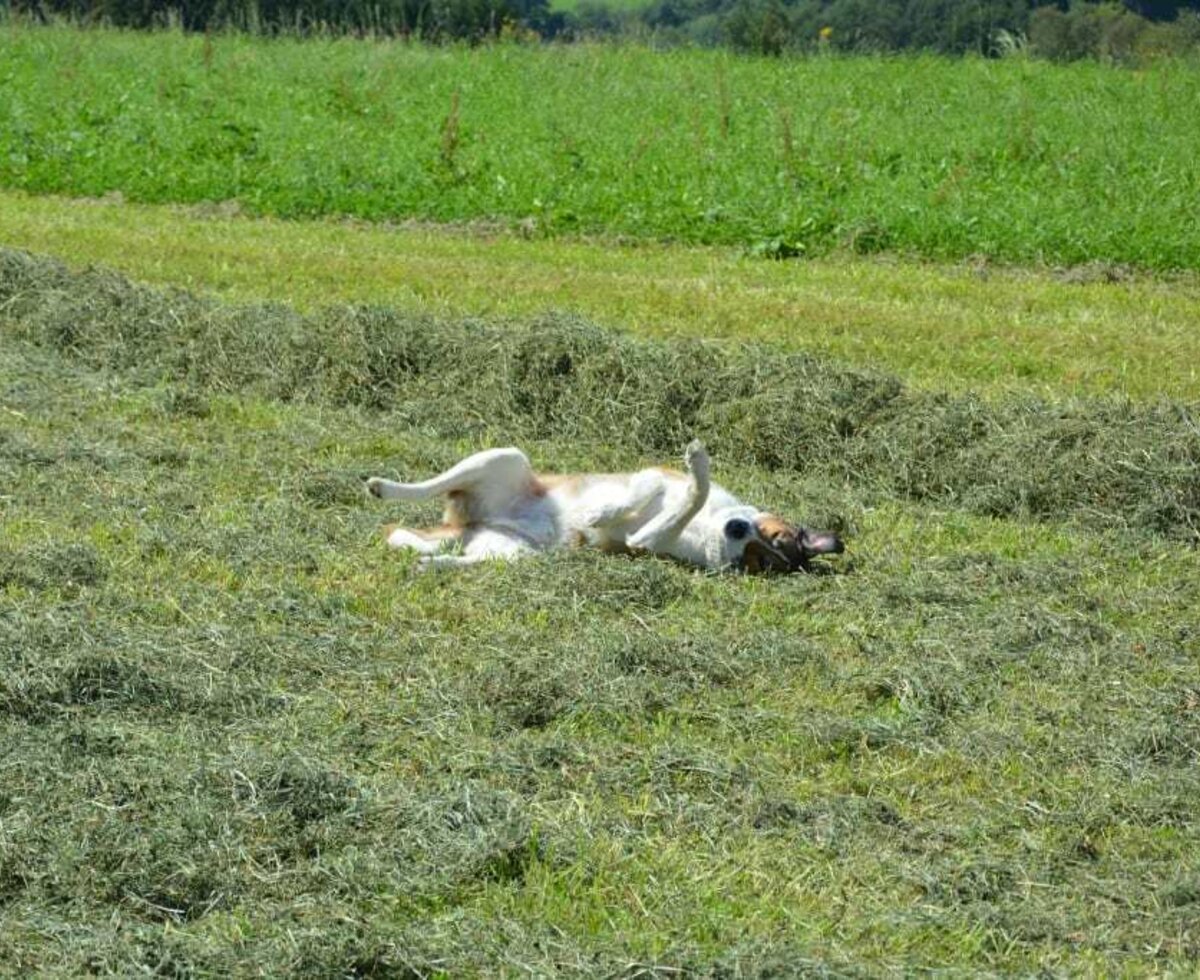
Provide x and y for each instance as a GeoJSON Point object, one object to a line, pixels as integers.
{"type": "Point", "coordinates": [759, 558]}
{"type": "Point", "coordinates": [752, 558]}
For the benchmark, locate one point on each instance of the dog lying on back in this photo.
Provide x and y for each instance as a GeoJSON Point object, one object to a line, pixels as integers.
{"type": "Point", "coordinates": [497, 507]}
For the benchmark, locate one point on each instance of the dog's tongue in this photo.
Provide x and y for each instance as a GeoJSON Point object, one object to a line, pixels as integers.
{"type": "Point", "coordinates": [822, 543]}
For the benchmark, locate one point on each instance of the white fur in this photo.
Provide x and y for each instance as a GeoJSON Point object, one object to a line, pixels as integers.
{"type": "Point", "coordinates": [506, 511]}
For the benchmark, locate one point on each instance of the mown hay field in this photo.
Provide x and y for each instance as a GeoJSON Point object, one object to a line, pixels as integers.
{"type": "Point", "coordinates": [1018, 160]}
{"type": "Point", "coordinates": [240, 737]}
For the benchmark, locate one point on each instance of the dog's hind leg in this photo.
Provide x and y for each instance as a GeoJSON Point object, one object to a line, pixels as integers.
{"type": "Point", "coordinates": [481, 545]}
{"type": "Point", "coordinates": [503, 471]}
{"type": "Point", "coordinates": [479, 489]}
{"type": "Point", "coordinates": [426, 541]}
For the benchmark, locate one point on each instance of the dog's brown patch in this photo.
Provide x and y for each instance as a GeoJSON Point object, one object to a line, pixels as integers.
{"type": "Point", "coordinates": [772, 527]}
{"type": "Point", "coordinates": [545, 482]}
{"type": "Point", "coordinates": [458, 512]}
{"type": "Point", "coordinates": [783, 537]}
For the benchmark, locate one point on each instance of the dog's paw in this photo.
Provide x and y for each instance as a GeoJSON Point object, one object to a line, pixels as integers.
{"type": "Point", "coordinates": [696, 458]}
{"type": "Point", "coordinates": [589, 518]}
{"type": "Point", "coordinates": [640, 542]}
{"type": "Point", "coordinates": [375, 486]}
{"type": "Point", "coordinates": [401, 538]}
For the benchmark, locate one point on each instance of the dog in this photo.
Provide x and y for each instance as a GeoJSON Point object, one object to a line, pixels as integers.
{"type": "Point", "coordinates": [497, 507]}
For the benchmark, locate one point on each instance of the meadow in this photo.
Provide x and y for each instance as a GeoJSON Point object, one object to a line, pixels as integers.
{"type": "Point", "coordinates": [242, 738]}
{"type": "Point", "coordinates": [239, 737]}
{"type": "Point", "coordinates": [1016, 160]}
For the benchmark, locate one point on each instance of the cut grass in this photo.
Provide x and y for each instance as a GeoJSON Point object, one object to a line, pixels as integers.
{"type": "Point", "coordinates": [980, 328]}
{"type": "Point", "coordinates": [1110, 463]}
{"type": "Point", "coordinates": [241, 737]}
{"type": "Point", "coordinates": [1018, 160]}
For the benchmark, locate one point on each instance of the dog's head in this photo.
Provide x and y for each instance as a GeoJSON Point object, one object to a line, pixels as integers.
{"type": "Point", "coordinates": [763, 543]}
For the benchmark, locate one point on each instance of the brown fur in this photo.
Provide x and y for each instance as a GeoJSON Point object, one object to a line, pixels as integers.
{"type": "Point", "coordinates": [782, 536]}
{"type": "Point", "coordinates": [458, 512]}
{"type": "Point", "coordinates": [546, 482]}
{"type": "Point", "coordinates": [771, 527]}
{"type": "Point", "coordinates": [439, 533]}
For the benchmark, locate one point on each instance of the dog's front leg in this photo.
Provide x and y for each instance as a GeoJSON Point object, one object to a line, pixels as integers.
{"type": "Point", "coordinates": [662, 532]}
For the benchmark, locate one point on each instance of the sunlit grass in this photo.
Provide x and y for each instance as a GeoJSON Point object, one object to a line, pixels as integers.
{"type": "Point", "coordinates": [241, 737]}
{"type": "Point", "coordinates": [1019, 160]}
{"type": "Point", "coordinates": [954, 327]}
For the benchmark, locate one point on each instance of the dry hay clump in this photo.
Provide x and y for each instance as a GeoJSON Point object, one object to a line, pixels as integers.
{"type": "Point", "coordinates": [1110, 462]}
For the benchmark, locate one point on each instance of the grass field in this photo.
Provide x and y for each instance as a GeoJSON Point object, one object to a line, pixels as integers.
{"type": "Point", "coordinates": [241, 737]}
{"type": "Point", "coordinates": [1017, 160]}
{"type": "Point", "coordinates": [970, 327]}
{"type": "Point", "coordinates": [238, 737]}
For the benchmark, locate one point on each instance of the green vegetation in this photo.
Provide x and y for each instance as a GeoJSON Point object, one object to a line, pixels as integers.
{"type": "Point", "coordinates": [431, 21]}
{"type": "Point", "coordinates": [1014, 160]}
{"type": "Point", "coordinates": [594, 17]}
{"type": "Point", "coordinates": [1111, 463]}
{"type": "Point", "coordinates": [1111, 32]}
{"type": "Point", "coordinates": [241, 737]}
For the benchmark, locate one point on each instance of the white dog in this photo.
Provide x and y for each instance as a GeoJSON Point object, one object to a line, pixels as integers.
{"type": "Point", "coordinates": [497, 507]}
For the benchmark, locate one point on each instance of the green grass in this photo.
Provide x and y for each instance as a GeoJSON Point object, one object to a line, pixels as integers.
{"type": "Point", "coordinates": [240, 737]}
{"type": "Point", "coordinates": [1017, 160]}
{"type": "Point", "coordinates": [975, 327]}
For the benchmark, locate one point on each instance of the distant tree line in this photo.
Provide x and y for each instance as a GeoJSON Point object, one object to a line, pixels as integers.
{"type": "Point", "coordinates": [427, 19]}
{"type": "Point", "coordinates": [1055, 29]}
{"type": "Point", "coordinates": [1058, 29]}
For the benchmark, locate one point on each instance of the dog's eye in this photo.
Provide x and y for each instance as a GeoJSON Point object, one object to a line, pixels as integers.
{"type": "Point", "coordinates": [737, 528]}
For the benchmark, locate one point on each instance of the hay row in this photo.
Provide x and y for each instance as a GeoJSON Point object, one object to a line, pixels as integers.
{"type": "Point", "coordinates": [1107, 462]}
